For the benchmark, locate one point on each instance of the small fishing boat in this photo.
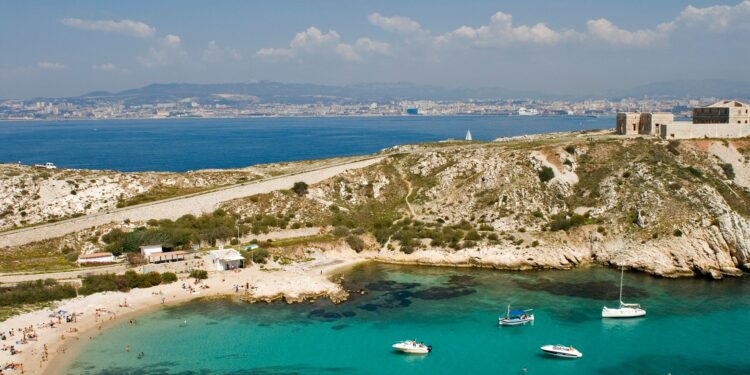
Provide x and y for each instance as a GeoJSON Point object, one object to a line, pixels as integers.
{"type": "Point", "coordinates": [625, 310]}
{"type": "Point", "coordinates": [516, 317]}
{"type": "Point", "coordinates": [412, 347]}
{"type": "Point", "coordinates": [562, 351]}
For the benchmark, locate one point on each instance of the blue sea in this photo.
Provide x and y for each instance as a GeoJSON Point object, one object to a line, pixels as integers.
{"type": "Point", "coordinates": [693, 326]}
{"type": "Point", "coordinates": [190, 144]}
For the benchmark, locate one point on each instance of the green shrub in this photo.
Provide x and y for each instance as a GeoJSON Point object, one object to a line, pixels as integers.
{"type": "Point", "coordinates": [38, 291]}
{"type": "Point", "coordinates": [486, 228]}
{"type": "Point", "coordinates": [341, 231]}
{"type": "Point", "coordinates": [695, 172]}
{"type": "Point", "coordinates": [168, 277]}
{"type": "Point", "coordinates": [546, 174]}
{"type": "Point", "coordinates": [300, 188]}
{"type": "Point", "coordinates": [259, 255]}
{"type": "Point", "coordinates": [728, 170]}
{"type": "Point", "coordinates": [677, 233]}
{"type": "Point", "coordinates": [570, 149]}
{"type": "Point", "coordinates": [472, 235]}
{"type": "Point", "coordinates": [356, 243]}
{"type": "Point", "coordinates": [199, 274]}
{"type": "Point", "coordinates": [534, 243]}
{"type": "Point", "coordinates": [565, 221]}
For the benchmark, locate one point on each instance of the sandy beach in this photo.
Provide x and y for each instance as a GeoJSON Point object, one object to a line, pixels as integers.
{"type": "Point", "coordinates": [56, 336]}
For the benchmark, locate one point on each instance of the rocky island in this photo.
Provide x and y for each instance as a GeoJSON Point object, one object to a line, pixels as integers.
{"type": "Point", "coordinates": [668, 208]}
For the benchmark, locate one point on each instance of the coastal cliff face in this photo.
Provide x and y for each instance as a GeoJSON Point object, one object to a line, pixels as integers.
{"type": "Point", "coordinates": [669, 209]}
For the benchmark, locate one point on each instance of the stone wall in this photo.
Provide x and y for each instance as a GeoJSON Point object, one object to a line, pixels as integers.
{"type": "Point", "coordinates": [687, 130]}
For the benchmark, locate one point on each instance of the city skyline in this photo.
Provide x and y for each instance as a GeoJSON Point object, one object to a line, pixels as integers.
{"type": "Point", "coordinates": [566, 48]}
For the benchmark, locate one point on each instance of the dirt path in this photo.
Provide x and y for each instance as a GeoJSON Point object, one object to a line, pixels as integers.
{"type": "Point", "coordinates": [173, 208]}
{"type": "Point", "coordinates": [64, 275]}
{"type": "Point", "coordinates": [409, 191]}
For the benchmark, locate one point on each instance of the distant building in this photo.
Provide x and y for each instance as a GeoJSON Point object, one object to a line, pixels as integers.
{"type": "Point", "coordinates": [226, 259]}
{"type": "Point", "coordinates": [724, 119]}
{"type": "Point", "coordinates": [96, 258]}
{"type": "Point", "coordinates": [723, 112]}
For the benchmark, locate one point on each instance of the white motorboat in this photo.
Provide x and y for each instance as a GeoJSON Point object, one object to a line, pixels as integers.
{"type": "Point", "coordinates": [625, 310]}
{"type": "Point", "coordinates": [523, 111]}
{"type": "Point", "coordinates": [562, 351]}
{"type": "Point", "coordinates": [516, 317]}
{"type": "Point", "coordinates": [412, 347]}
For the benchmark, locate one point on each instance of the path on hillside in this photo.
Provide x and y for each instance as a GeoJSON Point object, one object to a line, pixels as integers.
{"type": "Point", "coordinates": [173, 208]}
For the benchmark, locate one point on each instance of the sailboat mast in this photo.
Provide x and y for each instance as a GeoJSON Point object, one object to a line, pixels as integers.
{"type": "Point", "coordinates": [622, 273]}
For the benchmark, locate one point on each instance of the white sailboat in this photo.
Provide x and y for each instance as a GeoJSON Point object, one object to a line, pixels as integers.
{"type": "Point", "coordinates": [468, 135]}
{"type": "Point", "coordinates": [626, 310]}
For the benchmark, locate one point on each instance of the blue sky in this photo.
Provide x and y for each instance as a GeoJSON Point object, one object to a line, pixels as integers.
{"type": "Point", "coordinates": [54, 48]}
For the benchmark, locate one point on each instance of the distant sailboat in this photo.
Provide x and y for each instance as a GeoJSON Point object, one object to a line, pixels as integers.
{"type": "Point", "coordinates": [626, 310]}
{"type": "Point", "coordinates": [468, 135]}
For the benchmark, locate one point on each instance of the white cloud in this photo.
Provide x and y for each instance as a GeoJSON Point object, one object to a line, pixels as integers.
{"type": "Point", "coordinates": [215, 54]}
{"type": "Point", "coordinates": [168, 53]}
{"type": "Point", "coordinates": [395, 23]}
{"type": "Point", "coordinates": [170, 41]}
{"type": "Point", "coordinates": [604, 30]}
{"type": "Point", "coordinates": [363, 46]}
{"type": "Point", "coordinates": [368, 45]}
{"type": "Point", "coordinates": [716, 17]}
{"type": "Point", "coordinates": [124, 27]}
{"type": "Point", "coordinates": [313, 37]}
{"type": "Point", "coordinates": [108, 67]}
{"type": "Point", "coordinates": [46, 65]}
{"type": "Point", "coordinates": [314, 41]}
{"type": "Point", "coordinates": [500, 32]}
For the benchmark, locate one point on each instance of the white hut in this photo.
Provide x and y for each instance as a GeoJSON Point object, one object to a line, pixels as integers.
{"type": "Point", "coordinates": [226, 259]}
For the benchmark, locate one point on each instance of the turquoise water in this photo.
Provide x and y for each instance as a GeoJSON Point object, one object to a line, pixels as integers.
{"type": "Point", "coordinates": [189, 144]}
{"type": "Point", "coordinates": [693, 327]}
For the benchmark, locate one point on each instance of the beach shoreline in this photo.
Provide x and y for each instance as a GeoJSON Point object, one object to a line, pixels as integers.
{"type": "Point", "coordinates": [100, 311]}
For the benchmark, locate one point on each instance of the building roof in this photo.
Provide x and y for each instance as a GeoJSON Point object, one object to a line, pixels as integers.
{"type": "Point", "coordinates": [150, 246]}
{"type": "Point", "coordinates": [727, 104]}
{"type": "Point", "coordinates": [227, 254]}
{"type": "Point", "coordinates": [94, 255]}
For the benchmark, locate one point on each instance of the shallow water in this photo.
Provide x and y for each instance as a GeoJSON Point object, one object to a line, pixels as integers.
{"type": "Point", "coordinates": [189, 144]}
{"type": "Point", "coordinates": [692, 327]}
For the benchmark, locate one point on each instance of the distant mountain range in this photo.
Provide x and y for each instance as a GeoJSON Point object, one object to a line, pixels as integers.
{"type": "Point", "coordinates": [276, 92]}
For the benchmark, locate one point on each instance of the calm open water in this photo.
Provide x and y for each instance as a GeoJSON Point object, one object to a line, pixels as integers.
{"type": "Point", "coordinates": [190, 144]}
{"type": "Point", "coordinates": [693, 326]}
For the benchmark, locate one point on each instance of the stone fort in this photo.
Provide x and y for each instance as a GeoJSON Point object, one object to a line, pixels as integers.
{"type": "Point", "coordinates": [724, 119]}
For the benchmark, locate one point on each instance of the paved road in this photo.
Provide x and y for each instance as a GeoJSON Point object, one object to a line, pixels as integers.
{"type": "Point", "coordinates": [66, 275]}
{"type": "Point", "coordinates": [173, 208]}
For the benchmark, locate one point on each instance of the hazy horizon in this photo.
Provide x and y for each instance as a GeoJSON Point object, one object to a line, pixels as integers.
{"type": "Point", "coordinates": [572, 48]}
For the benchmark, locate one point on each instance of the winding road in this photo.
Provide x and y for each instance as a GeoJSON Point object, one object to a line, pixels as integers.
{"type": "Point", "coordinates": [173, 208]}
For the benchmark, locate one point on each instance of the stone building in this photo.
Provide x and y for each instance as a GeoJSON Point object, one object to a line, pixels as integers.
{"type": "Point", "coordinates": [723, 112]}
{"type": "Point", "coordinates": [724, 119]}
{"type": "Point", "coordinates": [632, 123]}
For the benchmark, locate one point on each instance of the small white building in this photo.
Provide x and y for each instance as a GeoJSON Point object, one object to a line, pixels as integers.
{"type": "Point", "coordinates": [147, 250]}
{"type": "Point", "coordinates": [96, 258]}
{"type": "Point", "coordinates": [226, 259]}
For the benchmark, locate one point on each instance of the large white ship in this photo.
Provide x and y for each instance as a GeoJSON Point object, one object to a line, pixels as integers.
{"type": "Point", "coordinates": [523, 111]}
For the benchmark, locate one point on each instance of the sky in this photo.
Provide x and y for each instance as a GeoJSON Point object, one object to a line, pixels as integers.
{"type": "Point", "coordinates": [67, 48]}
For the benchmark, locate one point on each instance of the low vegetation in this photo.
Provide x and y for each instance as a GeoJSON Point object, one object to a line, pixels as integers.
{"type": "Point", "coordinates": [123, 283]}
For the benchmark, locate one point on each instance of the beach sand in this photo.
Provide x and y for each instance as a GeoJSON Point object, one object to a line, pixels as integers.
{"type": "Point", "coordinates": [97, 312]}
